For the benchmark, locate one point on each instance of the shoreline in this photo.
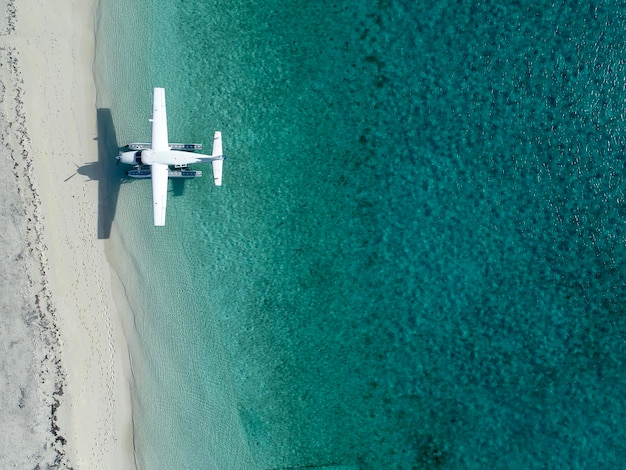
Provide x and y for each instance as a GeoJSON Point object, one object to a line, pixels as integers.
{"type": "Point", "coordinates": [76, 396]}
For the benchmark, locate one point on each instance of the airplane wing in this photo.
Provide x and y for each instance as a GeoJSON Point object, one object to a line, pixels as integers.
{"type": "Point", "coordinates": [159, 192]}
{"type": "Point", "coordinates": [159, 121]}
{"type": "Point", "coordinates": [217, 164]}
{"type": "Point", "coordinates": [159, 143]}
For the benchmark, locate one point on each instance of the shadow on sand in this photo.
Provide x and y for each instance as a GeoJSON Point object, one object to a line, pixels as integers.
{"type": "Point", "coordinates": [109, 176]}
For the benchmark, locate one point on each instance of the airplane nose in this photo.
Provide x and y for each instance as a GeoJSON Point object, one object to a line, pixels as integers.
{"type": "Point", "coordinates": [127, 158]}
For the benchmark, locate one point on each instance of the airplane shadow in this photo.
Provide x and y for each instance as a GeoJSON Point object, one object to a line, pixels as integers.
{"type": "Point", "coordinates": [111, 175]}
{"type": "Point", "coordinates": [105, 171]}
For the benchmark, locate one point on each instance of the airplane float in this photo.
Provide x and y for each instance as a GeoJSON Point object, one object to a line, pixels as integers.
{"type": "Point", "coordinates": [161, 160]}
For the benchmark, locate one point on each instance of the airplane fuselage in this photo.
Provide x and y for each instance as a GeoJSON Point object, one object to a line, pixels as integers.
{"type": "Point", "coordinates": [168, 157]}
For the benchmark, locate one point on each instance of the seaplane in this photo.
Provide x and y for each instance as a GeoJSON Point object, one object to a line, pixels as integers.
{"type": "Point", "coordinates": [160, 160]}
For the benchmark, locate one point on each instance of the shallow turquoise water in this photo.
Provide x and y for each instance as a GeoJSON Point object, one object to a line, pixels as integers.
{"type": "Point", "coordinates": [416, 259]}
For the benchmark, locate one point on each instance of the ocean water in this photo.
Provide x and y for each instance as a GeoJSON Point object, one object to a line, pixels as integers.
{"type": "Point", "coordinates": [417, 256]}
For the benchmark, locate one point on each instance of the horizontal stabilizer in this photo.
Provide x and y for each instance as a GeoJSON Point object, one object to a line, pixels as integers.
{"type": "Point", "coordinates": [219, 158]}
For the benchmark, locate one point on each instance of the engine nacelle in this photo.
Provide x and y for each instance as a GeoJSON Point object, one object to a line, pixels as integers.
{"type": "Point", "coordinates": [130, 158]}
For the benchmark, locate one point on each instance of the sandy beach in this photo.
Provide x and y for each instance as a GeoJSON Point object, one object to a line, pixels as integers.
{"type": "Point", "coordinates": [65, 364]}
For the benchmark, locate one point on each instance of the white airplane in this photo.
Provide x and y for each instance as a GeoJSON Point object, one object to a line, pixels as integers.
{"type": "Point", "coordinates": [165, 160]}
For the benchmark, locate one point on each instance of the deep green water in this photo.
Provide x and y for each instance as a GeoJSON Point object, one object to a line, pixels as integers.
{"type": "Point", "coordinates": [417, 256]}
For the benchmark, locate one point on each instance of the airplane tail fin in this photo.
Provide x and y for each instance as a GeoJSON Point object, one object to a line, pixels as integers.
{"type": "Point", "coordinates": [217, 164]}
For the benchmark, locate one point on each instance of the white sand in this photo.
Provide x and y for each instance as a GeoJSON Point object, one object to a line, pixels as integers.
{"type": "Point", "coordinates": [64, 372]}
